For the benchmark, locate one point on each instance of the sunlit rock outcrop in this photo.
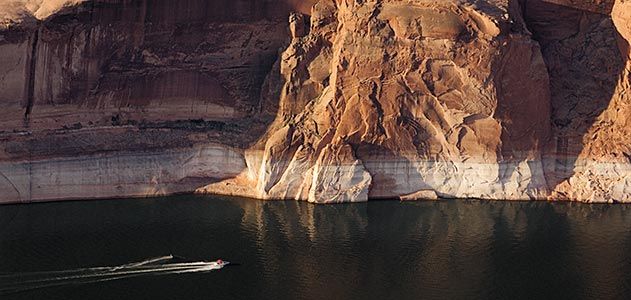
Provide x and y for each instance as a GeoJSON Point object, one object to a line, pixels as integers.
{"type": "Point", "coordinates": [408, 97]}
{"type": "Point", "coordinates": [324, 101]}
{"type": "Point", "coordinates": [13, 12]}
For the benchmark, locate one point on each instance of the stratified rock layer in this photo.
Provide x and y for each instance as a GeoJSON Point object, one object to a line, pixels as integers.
{"type": "Point", "coordinates": [339, 101]}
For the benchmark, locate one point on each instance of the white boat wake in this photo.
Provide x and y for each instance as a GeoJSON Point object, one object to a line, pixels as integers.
{"type": "Point", "coordinates": [165, 265]}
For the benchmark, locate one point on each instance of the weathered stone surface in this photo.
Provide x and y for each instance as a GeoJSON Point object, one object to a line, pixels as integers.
{"type": "Point", "coordinates": [587, 59]}
{"type": "Point", "coordinates": [596, 6]}
{"type": "Point", "coordinates": [141, 174]}
{"type": "Point", "coordinates": [424, 95]}
{"type": "Point", "coordinates": [621, 15]}
{"type": "Point", "coordinates": [21, 11]}
{"type": "Point", "coordinates": [339, 101]}
{"type": "Point", "coordinates": [133, 61]}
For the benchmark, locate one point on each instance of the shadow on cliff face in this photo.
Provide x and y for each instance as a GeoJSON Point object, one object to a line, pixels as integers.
{"type": "Point", "coordinates": [584, 65]}
{"type": "Point", "coordinates": [112, 76]}
{"type": "Point", "coordinates": [385, 166]}
{"type": "Point", "coordinates": [134, 60]}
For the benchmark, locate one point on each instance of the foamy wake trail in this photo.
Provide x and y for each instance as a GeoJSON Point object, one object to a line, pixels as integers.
{"type": "Point", "coordinates": [20, 282]}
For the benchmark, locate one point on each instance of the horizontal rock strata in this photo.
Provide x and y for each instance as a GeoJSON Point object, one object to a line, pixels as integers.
{"type": "Point", "coordinates": [139, 174]}
{"type": "Point", "coordinates": [324, 101]}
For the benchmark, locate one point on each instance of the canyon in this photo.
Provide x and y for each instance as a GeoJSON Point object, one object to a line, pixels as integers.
{"type": "Point", "coordinates": [327, 101]}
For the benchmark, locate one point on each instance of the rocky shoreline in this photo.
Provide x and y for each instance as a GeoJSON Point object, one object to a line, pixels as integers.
{"type": "Point", "coordinates": [216, 169]}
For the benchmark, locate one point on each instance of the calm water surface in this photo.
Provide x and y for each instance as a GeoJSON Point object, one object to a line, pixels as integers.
{"type": "Point", "coordinates": [291, 250]}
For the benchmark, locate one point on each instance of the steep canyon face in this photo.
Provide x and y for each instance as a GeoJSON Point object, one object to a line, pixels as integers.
{"type": "Point", "coordinates": [325, 101]}
{"type": "Point", "coordinates": [588, 63]}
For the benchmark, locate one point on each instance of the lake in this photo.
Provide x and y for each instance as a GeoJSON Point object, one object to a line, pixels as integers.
{"type": "Point", "coordinates": [459, 249]}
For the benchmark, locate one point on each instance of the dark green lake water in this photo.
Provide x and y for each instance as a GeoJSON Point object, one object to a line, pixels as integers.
{"type": "Point", "coordinates": [291, 250]}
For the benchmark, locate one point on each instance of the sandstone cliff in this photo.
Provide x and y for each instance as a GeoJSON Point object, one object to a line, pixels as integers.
{"type": "Point", "coordinates": [325, 101]}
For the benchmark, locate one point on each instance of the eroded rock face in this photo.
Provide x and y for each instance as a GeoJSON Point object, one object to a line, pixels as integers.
{"type": "Point", "coordinates": [621, 16]}
{"type": "Point", "coordinates": [134, 79]}
{"type": "Point", "coordinates": [19, 11]}
{"type": "Point", "coordinates": [164, 62]}
{"type": "Point", "coordinates": [420, 96]}
{"type": "Point", "coordinates": [587, 59]}
{"type": "Point", "coordinates": [606, 174]}
{"type": "Point", "coordinates": [339, 101]}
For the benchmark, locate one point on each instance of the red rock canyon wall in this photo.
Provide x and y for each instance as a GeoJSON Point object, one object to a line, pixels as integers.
{"type": "Point", "coordinates": [338, 101]}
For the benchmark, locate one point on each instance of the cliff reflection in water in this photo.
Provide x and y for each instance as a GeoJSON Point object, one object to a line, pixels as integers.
{"type": "Point", "coordinates": [295, 250]}
{"type": "Point", "coordinates": [472, 248]}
